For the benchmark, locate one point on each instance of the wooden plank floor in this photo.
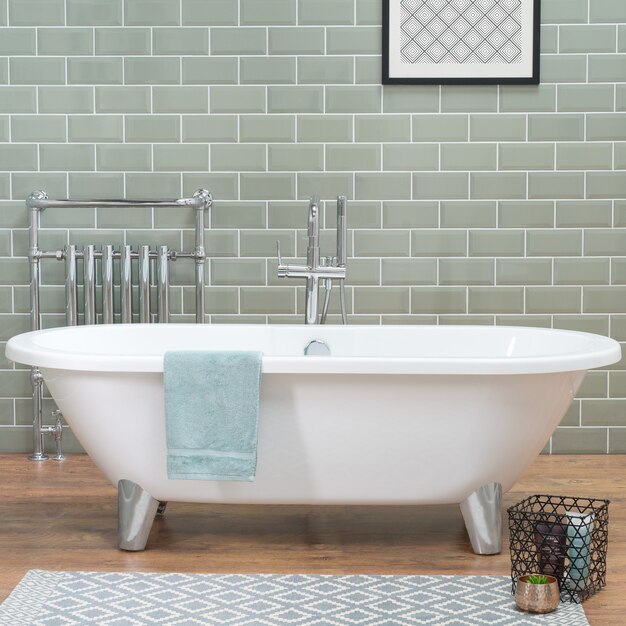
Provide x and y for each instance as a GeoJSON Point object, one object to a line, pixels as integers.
{"type": "Point", "coordinates": [62, 516]}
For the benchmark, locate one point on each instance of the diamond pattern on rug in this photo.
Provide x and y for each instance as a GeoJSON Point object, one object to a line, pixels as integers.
{"type": "Point", "coordinates": [461, 31]}
{"type": "Point", "coordinates": [46, 598]}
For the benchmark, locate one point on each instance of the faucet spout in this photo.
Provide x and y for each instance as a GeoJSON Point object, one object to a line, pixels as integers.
{"type": "Point", "coordinates": [312, 298]}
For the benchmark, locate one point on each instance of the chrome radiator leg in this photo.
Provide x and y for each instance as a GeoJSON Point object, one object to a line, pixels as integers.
{"type": "Point", "coordinates": [136, 509]}
{"type": "Point", "coordinates": [483, 518]}
{"type": "Point", "coordinates": [36, 380]}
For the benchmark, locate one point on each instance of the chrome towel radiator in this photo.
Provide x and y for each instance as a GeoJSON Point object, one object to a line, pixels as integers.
{"type": "Point", "coordinates": [37, 202]}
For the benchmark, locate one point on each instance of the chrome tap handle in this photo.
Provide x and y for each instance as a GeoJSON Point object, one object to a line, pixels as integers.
{"type": "Point", "coordinates": [328, 261]}
{"type": "Point", "coordinates": [283, 271]}
{"type": "Point", "coordinates": [280, 258]}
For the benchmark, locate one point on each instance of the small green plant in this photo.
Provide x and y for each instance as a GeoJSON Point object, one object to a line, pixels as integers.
{"type": "Point", "coordinates": [538, 579]}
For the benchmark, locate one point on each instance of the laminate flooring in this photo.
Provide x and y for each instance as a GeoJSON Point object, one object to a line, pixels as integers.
{"type": "Point", "coordinates": [62, 516]}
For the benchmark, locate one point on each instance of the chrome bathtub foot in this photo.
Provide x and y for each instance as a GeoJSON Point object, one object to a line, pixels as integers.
{"type": "Point", "coordinates": [483, 519]}
{"type": "Point", "coordinates": [136, 509]}
{"type": "Point", "coordinates": [161, 508]}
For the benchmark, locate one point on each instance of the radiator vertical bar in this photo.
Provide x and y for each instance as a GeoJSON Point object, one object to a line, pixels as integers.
{"type": "Point", "coordinates": [200, 254]}
{"type": "Point", "coordinates": [35, 276]}
{"type": "Point", "coordinates": [71, 294]}
{"type": "Point", "coordinates": [163, 284]}
{"type": "Point", "coordinates": [126, 287]}
{"type": "Point", "coordinates": [144, 284]}
{"type": "Point", "coordinates": [107, 284]}
{"type": "Point", "coordinates": [89, 283]}
{"type": "Point", "coordinates": [36, 378]}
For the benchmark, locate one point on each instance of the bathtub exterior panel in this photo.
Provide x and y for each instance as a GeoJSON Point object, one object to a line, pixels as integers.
{"type": "Point", "coordinates": [394, 415]}
{"type": "Point", "coordinates": [374, 439]}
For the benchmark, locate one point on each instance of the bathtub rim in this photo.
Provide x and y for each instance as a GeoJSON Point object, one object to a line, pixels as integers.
{"type": "Point", "coordinates": [23, 349]}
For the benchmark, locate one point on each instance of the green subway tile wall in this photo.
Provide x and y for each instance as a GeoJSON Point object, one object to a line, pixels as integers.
{"type": "Point", "coordinates": [468, 204]}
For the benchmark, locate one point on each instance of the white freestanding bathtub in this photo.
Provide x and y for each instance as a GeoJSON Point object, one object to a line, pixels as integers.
{"type": "Point", "coordinates": [396, 414]}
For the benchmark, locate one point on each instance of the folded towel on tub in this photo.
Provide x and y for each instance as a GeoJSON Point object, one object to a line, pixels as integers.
{"type": "Point", "coordinates": [211, 414]}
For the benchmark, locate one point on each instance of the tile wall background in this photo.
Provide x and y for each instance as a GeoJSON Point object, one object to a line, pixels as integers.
{"type": "Point", "coordinates": [471, 205]}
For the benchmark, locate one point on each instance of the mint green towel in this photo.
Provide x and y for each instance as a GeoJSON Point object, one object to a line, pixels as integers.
{"type": "Point", "coordinates": [211, 414]}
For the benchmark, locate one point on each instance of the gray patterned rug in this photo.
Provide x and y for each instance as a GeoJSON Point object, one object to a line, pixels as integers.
{"type": "Point", "coordinates": [45, 598]}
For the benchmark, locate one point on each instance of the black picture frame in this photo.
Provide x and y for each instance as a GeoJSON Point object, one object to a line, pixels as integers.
{"type": "Point", "coordinates": [483, 73]}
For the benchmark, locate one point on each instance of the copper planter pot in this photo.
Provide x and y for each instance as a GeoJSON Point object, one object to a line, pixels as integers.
{"type": "Point", "coordinates": [537, 598]}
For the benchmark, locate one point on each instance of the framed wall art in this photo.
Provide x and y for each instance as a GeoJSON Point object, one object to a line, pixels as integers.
{"type": "Point", "coordinates": [461, 41]}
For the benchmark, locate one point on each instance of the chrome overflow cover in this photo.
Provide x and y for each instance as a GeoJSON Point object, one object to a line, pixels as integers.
{"type": "Point", "coordinates": [317, 347]}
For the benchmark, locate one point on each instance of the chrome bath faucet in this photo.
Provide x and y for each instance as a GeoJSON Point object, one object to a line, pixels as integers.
{"type": "Point", "coordinates": [326, 269]}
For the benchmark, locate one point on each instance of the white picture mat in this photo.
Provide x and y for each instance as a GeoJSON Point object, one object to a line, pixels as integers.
{"type": "Point", "coordinates": [398, 69]}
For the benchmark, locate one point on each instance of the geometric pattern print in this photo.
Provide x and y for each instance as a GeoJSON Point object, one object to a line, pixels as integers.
{"type": "Point", "coordinates": [46, 598]}
{"type": "Point", "coordinates": [461, 31]}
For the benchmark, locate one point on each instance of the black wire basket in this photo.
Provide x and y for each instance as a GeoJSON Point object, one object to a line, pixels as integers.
{"type": "Point", "coordinates": [563, 537]}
